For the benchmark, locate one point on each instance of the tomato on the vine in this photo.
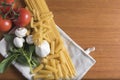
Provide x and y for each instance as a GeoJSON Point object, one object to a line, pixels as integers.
{"type": "Point", "coordinates": [5, 5]}
{"type": "Point", "coordinates": [7, 1]}
{"type": "Point", "coordinates": [24, 17]}
{"type": "Point", "coordinates": [5, 24]}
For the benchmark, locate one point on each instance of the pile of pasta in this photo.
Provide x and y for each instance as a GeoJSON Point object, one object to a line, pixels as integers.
{"type": "Point", "coordinates": [58, 64]}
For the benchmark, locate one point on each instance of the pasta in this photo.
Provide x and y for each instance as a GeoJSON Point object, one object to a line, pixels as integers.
{"type": "Point", "coordinates": [44, 72]}
{"type": "Point", "coordinates": [51, 68]}
{"type": "Point", "coordinates": [58, 64]}
{"type": "Point", "coordinates": [38, 68]}
{"type": "Point", "coordinates": [48, 77]}
{"type": "Point", "coordinates": [59, 71]}
{"type": "Point", "coordinates": [52, 47]}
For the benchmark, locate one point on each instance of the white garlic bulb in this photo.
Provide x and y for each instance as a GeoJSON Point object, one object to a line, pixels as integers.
{"type": "Point", "coordinates": [18, 42]}
{"type": "Point", "coordinates": [29, 39]}
{"type": "Point", "coordinates": [43, 50]}
{"type": "Point", "coordinates": [21, 32]}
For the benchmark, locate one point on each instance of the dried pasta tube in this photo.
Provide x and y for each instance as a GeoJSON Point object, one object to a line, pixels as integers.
{"type": "Point", "coordinates": [28, 4]}
{"type": "Point", "coordinates": [66, 69]}
{"type": "Point", "coordinates": [38, 68]}
{"type": "Point", "coordinates": [52, 62]}
{"type": "Point", "coordinates": [58, 47]}
{"type": "Point", "coordinates": [38, 16]}
{"type": "Point", "coordinates": [56, 76]}
{"type": "Point", "coordinates": [44, 30]}
{"type": "Point", "coordinates": [45, 61]}
{"type": "Point", "coordinates": [62, 57]}
{"type": "Point", "coordinates": [50, 68]}
{"type": "Point", "coordinates": [31, 23]}
{"type": "Point", "coordinates": [34, 14]}
{"type": "Point", "coordinates": [70, 62]}
{"type": "Point", "coordinates": [46, 38]}
{"type": "Point", "coordinates": [33, 4]}
{"type": "Point", "coordinates": [53, 56]}
{"type": "Point", "coordinates": [41, 34]}
{"type": "Point", "coordinates": [52, 47]}
{"type": "Point", "coordinates": [59, 71]}
{"type": "Point", "coordinates": [37, 24]}
{"type": "Point", "coordinates": [48, 77]}
{"type": "Point", "coordinates": [44, 72]}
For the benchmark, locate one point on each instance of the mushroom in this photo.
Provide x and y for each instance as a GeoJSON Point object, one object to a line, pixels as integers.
{"type": "Point", "coordinates": [29, 39]}
{"type": "Point", "coordinates": [21, 32]}
{"type": "Point", "coordinates": [18, 42]}
{"type": "Point", "coordinates": [43, 49]}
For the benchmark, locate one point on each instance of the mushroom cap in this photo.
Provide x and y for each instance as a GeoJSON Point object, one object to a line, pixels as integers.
{"type": "Point", "coordinates": [43, 50]}
{"type": "Point", "coordinates": [29, 39]}
{"type": "Point", "coordinates": [21, 32]}
{"type": "Point", "coordinates": [18, 42]}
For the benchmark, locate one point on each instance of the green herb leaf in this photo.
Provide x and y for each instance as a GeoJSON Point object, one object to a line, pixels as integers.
{"type": "Point", "coordinates": [31, 51]}
{"type": "Point", "coordinates": [35, 62]}
{"type": "Point", "coordinates": [9, 39]}
{"type": "Point", "coordinates": [22, 60]}
{"type": "Point", "coordinates": [6, 62]}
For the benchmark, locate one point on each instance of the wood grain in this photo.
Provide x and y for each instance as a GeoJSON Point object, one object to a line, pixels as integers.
{"type": "Point", "coordinates": [89, 23]}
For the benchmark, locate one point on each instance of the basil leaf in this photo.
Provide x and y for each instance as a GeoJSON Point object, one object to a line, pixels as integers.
{"type": "Point", "coordinates": [6, 62]}
{"type": "Point", "coordinates": [35, 62]}
{"type": "Point", "coordinates": [9, 39]}
{"type": "Point", "coordinates": [22, 60]}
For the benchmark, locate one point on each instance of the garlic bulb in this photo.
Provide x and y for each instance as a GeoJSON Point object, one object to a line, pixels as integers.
{"type": "Point", "coordinates": [21, 32]}
{"type": "Point", "coordinates": [43, 50]}
{"type": "Point", "coordinates": [18, 42]}
{"type": "Point", "coordinates": [29, 39]}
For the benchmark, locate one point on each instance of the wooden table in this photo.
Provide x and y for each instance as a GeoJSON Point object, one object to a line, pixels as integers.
{"type": "Point", "coordinates": [89, 23]}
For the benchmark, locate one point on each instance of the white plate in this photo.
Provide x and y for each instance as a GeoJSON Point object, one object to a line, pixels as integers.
{"type": "Point", "coordinates": [81, 60]}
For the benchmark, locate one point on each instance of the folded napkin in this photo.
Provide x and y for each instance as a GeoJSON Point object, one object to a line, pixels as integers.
{"type": "Point", "coordinates": [80, 58]}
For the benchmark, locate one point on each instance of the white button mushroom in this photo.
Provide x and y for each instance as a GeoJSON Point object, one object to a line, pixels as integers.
{"type": "Point", "coordinates": [21, 32]}
{"type": "Point", "coordinates": [18, 42]}
{"type": "Point", "coordinates": [29, 39]}
{"type": "Point", "coordinates": [43, 50]}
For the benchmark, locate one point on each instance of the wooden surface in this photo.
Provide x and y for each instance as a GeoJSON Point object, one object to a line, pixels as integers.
{"type": "Point", "coordinates": [89, 23]}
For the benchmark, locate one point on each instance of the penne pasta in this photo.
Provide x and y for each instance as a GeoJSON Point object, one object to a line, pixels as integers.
{"type": "Point", "coordinates": [59, 71]}
{"type": "Point", "coordinates": [50, 68]}
{"type": "Point", "coordinates": [52, 47]}
{"type": "Point", "coordinates": [48, 77]}
{"type": "Point", "coordinates": [62, 58]}
{"type": "Point", "coordinates": [58, 64]}
{"type": "Point", "coordinates": [46, 72]}
{"type": "Point", "coordinates": [38, 68]}
{"type": "Point", "coordinates": [53, 56]}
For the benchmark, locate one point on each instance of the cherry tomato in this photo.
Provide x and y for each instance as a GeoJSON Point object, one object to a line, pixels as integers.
{"type": "Point", "coordinates": [7, 1]}
{"type": "Point", "coordinates": [5, 8]}
{"type": "Point", "coordinates": [24, 17]}
{"type": "Point", "coordinates": [5, 25]}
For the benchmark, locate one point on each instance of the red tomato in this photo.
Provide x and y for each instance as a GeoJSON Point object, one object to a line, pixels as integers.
{"type": "Point", "coordinates": [4, 8]}
{"type": "Point", "coordinates": [24, 17]}
{"type": "Point", "coordinates": [7, 1]}
{"type": "Point", "coordinates": [5, 25]}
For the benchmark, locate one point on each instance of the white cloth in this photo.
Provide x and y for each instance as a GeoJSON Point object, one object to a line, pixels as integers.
{"type": "Point", "coordinates": [80, 58]}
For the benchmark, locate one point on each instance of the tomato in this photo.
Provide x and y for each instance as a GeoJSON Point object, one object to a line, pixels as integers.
{"type": "Point", "coordinates": [5, 25]}
{"type": "Point", "coordinates": [7, 1]}
{"type": "Point", "coordinates": [24, 18]}
{"type": "Point", "coordinates": [5, 8]}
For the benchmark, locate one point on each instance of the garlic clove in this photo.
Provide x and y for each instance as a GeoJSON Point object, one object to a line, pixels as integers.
{"type": "Point", "coordinates": [29, 39]}
{"type": "Point", "coordinates": [21, 32]}
{"type": "Point", "coordinates": [43, 50]}
{"type": "Point", "coordinates": [18, 42]}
